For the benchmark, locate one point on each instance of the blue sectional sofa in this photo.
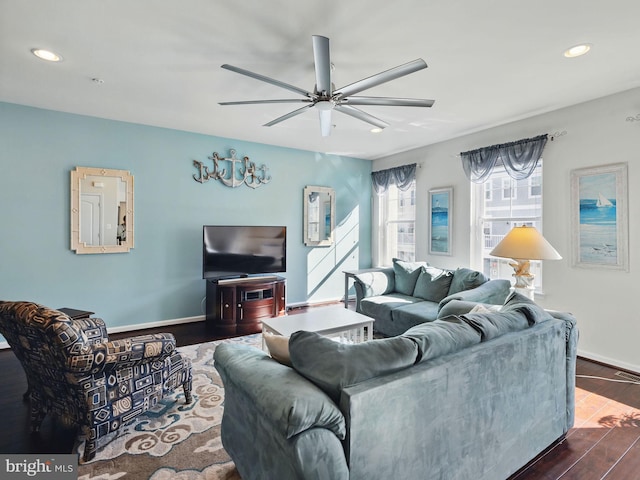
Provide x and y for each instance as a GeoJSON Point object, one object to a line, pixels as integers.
{"type": "Point", "coordinates": [410, 293]}
{"type": "Point", "coordinates": [474, 396]}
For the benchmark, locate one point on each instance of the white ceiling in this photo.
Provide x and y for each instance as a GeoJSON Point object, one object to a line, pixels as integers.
{"type": "Point", "coordinates": [490, 62]}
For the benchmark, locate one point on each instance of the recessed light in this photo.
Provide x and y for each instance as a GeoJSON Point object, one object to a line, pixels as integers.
{"type": "Point", "coordinates": [577, 50]}
{"type": "Point", "coordinates": [47, 55]}
{"type": "Point", "coordinates": [376, 130]}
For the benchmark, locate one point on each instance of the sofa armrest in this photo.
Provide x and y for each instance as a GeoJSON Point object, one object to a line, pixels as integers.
{"type": "Point", "coordinates": [493, 292]}
{"type": "Point", "coordinates": [127, 352]}
{"type": "Point", "coordinates": [372, 283]}
{"type": "Point", "coordinates": [277, 393]}
{"type": "Point", "coordinates": [571, 336]}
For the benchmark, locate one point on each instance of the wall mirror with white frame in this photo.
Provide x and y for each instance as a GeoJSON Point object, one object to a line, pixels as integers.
{"type": "Point", "coordinates": [319, 216]}
{"type": "Point", "coordinates": [101, 210]}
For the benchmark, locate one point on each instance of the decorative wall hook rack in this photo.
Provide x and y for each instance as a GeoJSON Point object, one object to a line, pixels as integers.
{"type": "Point", "coordinates": [556, 134]}
{"type": "Point", "coordinates": [232, 171]}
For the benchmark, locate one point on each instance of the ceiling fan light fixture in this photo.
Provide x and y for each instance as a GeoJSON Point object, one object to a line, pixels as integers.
{"type": "Point", "coordinates": [47, 55]}
{"type": "Point", "coordinates": [577, 50]}
{"type": "Point", "coordinates": [324, 105]}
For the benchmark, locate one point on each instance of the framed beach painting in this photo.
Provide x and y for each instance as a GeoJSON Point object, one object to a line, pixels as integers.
{"type": "Point", "coordinates": [600, 219]}
{"type": "Point", "coordinates": [440, 220]}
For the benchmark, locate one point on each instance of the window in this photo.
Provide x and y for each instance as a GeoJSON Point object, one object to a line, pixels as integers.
{"type": "Point", "coordinates": [500, 204]}
{"type": "Point", "coordinates": [397, 221]}
{"type": "Point", "coordinates": [488, 191]}
{"type": "Point", "coordinates": [508, 192]}
{"type": "Point", "coordinates": [535, 186]}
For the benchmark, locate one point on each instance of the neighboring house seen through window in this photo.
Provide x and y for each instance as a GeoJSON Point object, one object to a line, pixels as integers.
{"type": "Point", "coordinates": [397, 221]}
{"type": "Point", "coordinates": [502, 203]}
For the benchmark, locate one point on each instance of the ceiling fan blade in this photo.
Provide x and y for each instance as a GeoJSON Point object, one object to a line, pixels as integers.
{"type": "Point", "coordinates": [325, 122]}
{"type": "Point", "coordinates": [382, 77]}
{"type": "Point", "coordinates": [360, 115]}
{"type": "Point", "coordinates": [322, 60]}
{"type": "Point", "coordinates": [270, 80]}
{"type": "Point", "coordinates": [387, 101]}
{"type": "Point", "coordinates": [288, 115]}
{"type": "Point", "coordinates": [255, 102]}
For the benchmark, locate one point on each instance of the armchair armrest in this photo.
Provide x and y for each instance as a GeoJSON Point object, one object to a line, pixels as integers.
{"type": "Point", "coordinates": [127, 352]}
{"type": "Point", "coordinates": [373, 283]}
{"type": "Point", "coordinates": [493, 292]}
{"type": "Point", "coordinates": [94, 329]}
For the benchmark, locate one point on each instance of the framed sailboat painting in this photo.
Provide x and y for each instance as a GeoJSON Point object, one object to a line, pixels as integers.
{"type": "Point", "coordinates": [600, 219]}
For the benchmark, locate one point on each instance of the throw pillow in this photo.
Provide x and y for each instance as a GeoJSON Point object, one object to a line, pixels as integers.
{"type": "Point", "coordinates": [432, 284]}
{"type": "Point", "coordinates": [466, 279]}
{"type": "Point", "coordinates": [441, 337]}
{"type": "Point", "coordinates": [332, 366]}
{"type": "Point", "coordinates": [479, 308]}
{"type": "Point", "coordinates": [278, 347]}
{"type": "Point", "coordinates": [406, 274]}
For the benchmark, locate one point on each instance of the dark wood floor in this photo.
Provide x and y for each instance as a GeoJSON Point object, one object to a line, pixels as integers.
{"type": "Point", "coordinates": [603, 444]}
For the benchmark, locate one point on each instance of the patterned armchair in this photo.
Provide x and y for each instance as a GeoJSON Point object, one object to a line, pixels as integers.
{"type": "Point", "coordinates": [75, 372]}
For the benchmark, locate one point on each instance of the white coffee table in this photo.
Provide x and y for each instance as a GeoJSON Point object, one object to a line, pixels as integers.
{"type": "Point", "coordinates": [336, 322]}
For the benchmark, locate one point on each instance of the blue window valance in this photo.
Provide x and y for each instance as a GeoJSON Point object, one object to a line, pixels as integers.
{"type": "Point", "coordinates": [519, 159]}
{"type": "Point", "coordinates": [400, 176]}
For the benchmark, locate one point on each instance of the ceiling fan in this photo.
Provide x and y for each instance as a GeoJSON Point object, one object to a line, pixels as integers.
{"type": "Point", "coordinates": [326, 98]}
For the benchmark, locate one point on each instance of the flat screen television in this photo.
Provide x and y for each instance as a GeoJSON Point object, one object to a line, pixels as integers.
{"type": "Point", "coordinates": [243, 250]}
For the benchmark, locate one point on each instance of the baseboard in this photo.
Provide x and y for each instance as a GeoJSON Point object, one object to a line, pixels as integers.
{"type": "Point", "coordinates": [161, 323]}
{"type": "Point", "coordinates": [322, 303]}
{"type": "Point", "coordinates": [610, 362]}
{"type": "Point", "coordinates": [141, 326]}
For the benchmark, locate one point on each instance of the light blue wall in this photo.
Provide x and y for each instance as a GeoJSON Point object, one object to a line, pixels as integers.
{"type": "Point", "coordinates": [160, 278]}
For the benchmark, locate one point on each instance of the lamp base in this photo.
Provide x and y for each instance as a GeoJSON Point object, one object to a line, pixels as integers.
{"type": "Point", "coordinates": [524, 278]}
{"type": "Point", "coordinates": [528, 292]}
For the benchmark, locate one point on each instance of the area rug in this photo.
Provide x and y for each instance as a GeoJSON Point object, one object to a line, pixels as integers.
{"type": "Point", "coordinates": [173, 441]}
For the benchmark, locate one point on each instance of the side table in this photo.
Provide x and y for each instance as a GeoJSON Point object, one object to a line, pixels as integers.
{"type": "Point", "coordinates": [75, 314]}
{"type": "Point", "coordinates": [351, 274]}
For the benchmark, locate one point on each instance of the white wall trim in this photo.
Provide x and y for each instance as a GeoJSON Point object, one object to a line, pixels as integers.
{"type": "Point", "coordinates": [141, 326]}
{"type": "Point", "coordinates": [161, 323]}
{"type": "Point", "coordinates": [609, 361]}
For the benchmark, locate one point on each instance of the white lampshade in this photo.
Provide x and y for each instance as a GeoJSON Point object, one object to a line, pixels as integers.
{"type": "Point", "coordinates": [525, 243]}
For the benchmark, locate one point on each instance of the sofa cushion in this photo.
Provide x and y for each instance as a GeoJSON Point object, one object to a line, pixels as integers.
{"type": "Point", "coordinates": [406, 316]}
{"type": "Point", "coordinates": [433, 284]}
{"type": "Point", "coordinates": [491, 325]}
{"type": "Point", "coordinates": [518, 313]}
{"type": "Point", "coordinates": [441, 337]}
{"type": "Point", "coordinates": [466, 279]}
{"type": "Point", "coordinates": [333, 366]}
{"type": "Point", "coordinates": [517, 302]}
{"type": "Point", "coordinates": [406, 274]}
{"type": "Point", "coordinates": [381, 307]}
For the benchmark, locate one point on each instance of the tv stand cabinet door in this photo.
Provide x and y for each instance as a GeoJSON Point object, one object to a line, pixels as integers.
{"type": "Point", "coordinates": [281, 299]}
{"type": "Point", "coordinates": [221, 308]}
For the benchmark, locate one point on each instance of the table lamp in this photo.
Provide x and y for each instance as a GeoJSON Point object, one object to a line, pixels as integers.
{"type": "Point", "coordinates": [523, 244]}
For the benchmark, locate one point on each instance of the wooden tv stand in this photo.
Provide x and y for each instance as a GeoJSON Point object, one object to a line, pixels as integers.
{"type": "Point", "coordinates": [235, 306]}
